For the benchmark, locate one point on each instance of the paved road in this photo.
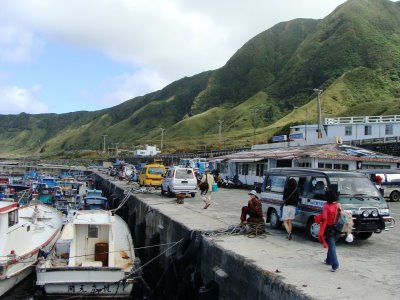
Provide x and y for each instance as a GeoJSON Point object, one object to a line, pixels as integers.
{"type": "Point", "coordinates": [368, 269]}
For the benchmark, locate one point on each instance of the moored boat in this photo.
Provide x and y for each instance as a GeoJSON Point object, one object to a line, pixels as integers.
{"type": "Point", "coordinates": [94, 256]}
{"type": "Point", "coordinates": [94, 200]}
{"type": "Point", "coordinates": [25, 232]}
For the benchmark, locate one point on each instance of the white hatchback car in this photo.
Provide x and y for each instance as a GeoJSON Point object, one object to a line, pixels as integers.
{"type": "Point", "coordinates": [179, 180]}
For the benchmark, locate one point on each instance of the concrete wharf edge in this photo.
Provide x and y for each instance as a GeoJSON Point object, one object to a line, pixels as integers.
{"type": "Point", "coordinates": [245, 279]}
{"type": "Point", "coordinates": [271, 267]}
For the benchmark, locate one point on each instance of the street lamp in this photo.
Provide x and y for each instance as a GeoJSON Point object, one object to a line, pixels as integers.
{"type": "Point", "coordinates": [254, 111]}
{"type": "Point", "coordinates": [318, 91]}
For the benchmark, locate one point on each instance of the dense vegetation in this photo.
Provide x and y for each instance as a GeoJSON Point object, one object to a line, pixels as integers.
{"type": "Point", "coordinates": [353, 55]}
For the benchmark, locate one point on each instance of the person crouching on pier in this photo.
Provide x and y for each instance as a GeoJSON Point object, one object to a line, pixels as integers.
{"type": "Point", "coordinates": [253, 210]}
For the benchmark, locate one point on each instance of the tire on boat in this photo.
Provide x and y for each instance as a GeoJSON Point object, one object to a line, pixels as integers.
{"type": "Point", "coordinates": [188, 247]}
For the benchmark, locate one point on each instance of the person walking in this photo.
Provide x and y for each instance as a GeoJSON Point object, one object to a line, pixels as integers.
{"type": "Point", "coordinates": [327, 233]}
{"type": "Point", "coordinates": [291, 199]}
{"type": "Point", "coordinates": [253, 208]}
{"type": "Point", "coordinates": [207, 177]}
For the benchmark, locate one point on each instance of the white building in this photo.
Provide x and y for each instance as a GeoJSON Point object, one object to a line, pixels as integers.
{"type": "Point", "coordinates": [148, 151]}
{"type": "Point", "coordinates": [356, 130]}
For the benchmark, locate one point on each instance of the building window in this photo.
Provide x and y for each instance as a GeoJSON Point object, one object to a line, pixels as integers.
{"type": "Point", "coordinates": [367, 130]}
{"type": "Point", "coordinates": [389, 129]}
{"type": "Point", "coordinates": [367, 166]}
{"type": "Point", "coordinates": [260, 169]}
{"type": "Point", "coordinates": [244, 170]}
{"type": "Point", "coordinates": [348, 130]}
{"type": "Point", "coordinates": [303, 164]}
{"type": "Point", "coordinates": [333, 166]}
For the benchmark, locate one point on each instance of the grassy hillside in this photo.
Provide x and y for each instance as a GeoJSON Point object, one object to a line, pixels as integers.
{"type": "Point", "coordinates": [353, 55]}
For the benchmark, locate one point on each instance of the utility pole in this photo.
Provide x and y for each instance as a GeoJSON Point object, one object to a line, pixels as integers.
{"type": "Point", "coordinates": [162, 138]}
{"type": "Point", "coordinates": [116, 149]}
{"type": "Point", "coordinates": [219, 131]}
{"type": "Point", "coordinates": [318, 91]}
{"type": "Point", "coordinates": [254, 111]}
{"type": "Point", "coordinates": [104, 143]}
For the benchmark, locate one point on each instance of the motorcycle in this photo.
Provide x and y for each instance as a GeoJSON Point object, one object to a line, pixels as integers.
{"type": "Point", "coordinates": [232, 182]}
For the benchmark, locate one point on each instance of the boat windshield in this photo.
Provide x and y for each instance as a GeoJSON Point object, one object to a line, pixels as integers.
{"type": "Point", "coordinates": [356, 190]}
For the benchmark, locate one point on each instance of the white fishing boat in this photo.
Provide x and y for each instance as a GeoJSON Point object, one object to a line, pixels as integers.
{"type": "Point", "coordinates": [94, 256]}
{"type": "Point", "coordinates": [25, 233]}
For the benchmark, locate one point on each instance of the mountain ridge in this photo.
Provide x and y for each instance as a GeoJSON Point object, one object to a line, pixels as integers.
{"type": "Point", "coordinates": [352, 54]}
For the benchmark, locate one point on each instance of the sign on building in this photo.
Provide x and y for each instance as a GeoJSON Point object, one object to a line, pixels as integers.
{"type": "Point", "coordinates": [279, 138]}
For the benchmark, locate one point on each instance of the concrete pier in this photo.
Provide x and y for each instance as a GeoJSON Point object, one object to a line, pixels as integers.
{"type": "Point", "coordinates": [268, 267]}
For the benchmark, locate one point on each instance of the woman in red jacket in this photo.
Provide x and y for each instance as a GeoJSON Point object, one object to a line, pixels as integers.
{"type": "Point", "coordinates": [327, 232]}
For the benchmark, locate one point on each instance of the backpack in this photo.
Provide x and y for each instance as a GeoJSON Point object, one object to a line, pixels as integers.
{"type": "Point", "coordinates": [344, 222]}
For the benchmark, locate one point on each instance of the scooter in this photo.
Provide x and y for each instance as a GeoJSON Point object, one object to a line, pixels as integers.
{"type": "Point", "coordinates": [233, 182]}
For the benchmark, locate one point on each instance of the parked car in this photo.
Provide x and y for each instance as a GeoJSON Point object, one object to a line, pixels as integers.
{"type": "Point", "coordinates": [151, 175]}
{"type": "Point", "coordinates": [179, 180]}
{"type": "Point", "coordinates": [356, 193]}
{"type": "Point", "coordinates": [389, 181]}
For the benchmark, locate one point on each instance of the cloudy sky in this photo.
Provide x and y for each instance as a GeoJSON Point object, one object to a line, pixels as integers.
{"type": "Point", "coordinates": [60, 56]}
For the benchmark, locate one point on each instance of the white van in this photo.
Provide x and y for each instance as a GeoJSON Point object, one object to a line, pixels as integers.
{"type": "Point", "coordinates": [357, 194]}
{"type": "Point", "coordinates": [390, 183]}
{"type": "Point", "coordinates": [179, 180]}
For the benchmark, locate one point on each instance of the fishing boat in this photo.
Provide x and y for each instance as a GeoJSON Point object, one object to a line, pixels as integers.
{"type": "Point", "coordinates": [94, 256]}
{"type": "Point", "coordinates": [94, 200]}
{"type": "Point", "coordinates": [25, 233]}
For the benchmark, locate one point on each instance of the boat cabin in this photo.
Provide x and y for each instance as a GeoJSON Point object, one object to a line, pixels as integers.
{"type": "Point", "coordinates": [8, 215]}
{"type": "Point", "coordinates": [91, 237]}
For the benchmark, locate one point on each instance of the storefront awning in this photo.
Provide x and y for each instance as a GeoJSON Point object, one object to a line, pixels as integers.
{"type": "Point", "coordinates": [246, 160]}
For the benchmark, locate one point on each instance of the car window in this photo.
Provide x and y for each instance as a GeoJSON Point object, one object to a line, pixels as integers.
{"type": "Point", "coordinates": [275, 183]}
{"type": "Point", "coordinates": [393, 178]}
{"type": "Point", "coordinates": [184, 174]}
{"type": "Point", "coordinates": [155, 171]}
{"type": "Point", "coordinates": [317, 187]}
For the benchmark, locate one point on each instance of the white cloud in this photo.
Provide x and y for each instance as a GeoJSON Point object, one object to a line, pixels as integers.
{"type": "Point", "coordinates": [15, 99]}
{"type": "Point", "coordinates": [127, 85]}
{"type": "Point", "coordinates": [18, 45]}
{"type": "Point", "coordinates": [164, 39]}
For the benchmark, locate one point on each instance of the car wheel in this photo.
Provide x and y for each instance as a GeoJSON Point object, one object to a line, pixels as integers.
{"type": "Point", "coordinates": [362, 235]}
{"type": "Point", "coordinates": [274, 220]}
{"type": "Point", "coordinates": [312, 230]}
{"type": "Point", "coordinates": [395, 196]}
{"type": "Point", "coordinates": [193, 195]}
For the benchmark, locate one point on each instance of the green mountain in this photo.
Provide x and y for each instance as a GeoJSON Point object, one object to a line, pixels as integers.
{"type": "Point", "coordinates": [353, 55]}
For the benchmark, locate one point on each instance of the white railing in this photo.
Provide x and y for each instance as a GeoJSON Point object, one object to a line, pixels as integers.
{"type": "Point", "coordinates": [363, 120]}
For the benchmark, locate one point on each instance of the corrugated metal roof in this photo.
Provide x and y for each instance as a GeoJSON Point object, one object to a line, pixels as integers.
{"type": "Point", "coordinates": [328, 151]}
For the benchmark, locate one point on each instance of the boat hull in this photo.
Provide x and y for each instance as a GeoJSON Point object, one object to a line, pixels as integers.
{"type": "Point", "coordinates": [96, 282]}
{"type": "Point", "coordinates": [7, 284]}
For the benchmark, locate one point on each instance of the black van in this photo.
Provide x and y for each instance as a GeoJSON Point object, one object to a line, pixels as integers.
{"type": "Point", "coordinates": [356, 192]}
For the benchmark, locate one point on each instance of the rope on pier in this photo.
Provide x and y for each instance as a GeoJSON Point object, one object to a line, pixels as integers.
{"type": "Point", "coordinates": [250, 230]}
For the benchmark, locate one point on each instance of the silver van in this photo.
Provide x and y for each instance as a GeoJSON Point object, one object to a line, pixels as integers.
{"type": "Point", "coordinates": [179, 180]}
{"type": "Point", "coordinates": [390, 183]}
{"type": "Point", "coordinates": [356, 192]}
